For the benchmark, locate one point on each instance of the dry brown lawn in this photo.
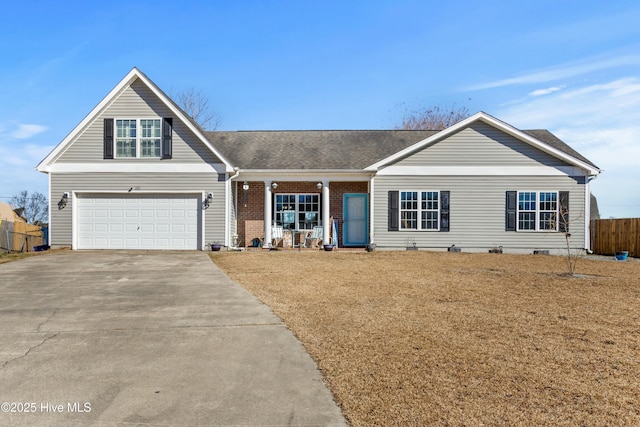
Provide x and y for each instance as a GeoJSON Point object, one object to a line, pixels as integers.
{"type": "Point", "coordinates": [433, 338]}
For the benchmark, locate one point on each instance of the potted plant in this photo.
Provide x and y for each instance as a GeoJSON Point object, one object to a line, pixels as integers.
{"type": "Point", "coordinates": [622, 255]}
{"type": "Point", "coordinates": [215, 246]}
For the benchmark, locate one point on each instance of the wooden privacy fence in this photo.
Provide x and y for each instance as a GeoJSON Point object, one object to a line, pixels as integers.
{"type": "Point", "coordinates": [609, 236]}
{"type": "Point", "coordinates": [19, 236]}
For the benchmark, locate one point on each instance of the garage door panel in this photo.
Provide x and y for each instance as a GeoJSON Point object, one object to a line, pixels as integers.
{"type": "Point", "coordinates": [100, 241]}
{"type": "Point", "coordinates": [147, 228]}
{"type": "Point", "coordinates": [115, 228]}
{"type": "Point", "coordinates": [162, 228]}
{"type": "Point", "coordinates": [133, 243]}
{"type": "Point", "coordinates": [131, 228]}
{"type": "Point", "coordinates": [178, 228]}
{"type": "Point", "coordinates": [146, 242]}
{"type": "Point", "coordinates": [139, 222]}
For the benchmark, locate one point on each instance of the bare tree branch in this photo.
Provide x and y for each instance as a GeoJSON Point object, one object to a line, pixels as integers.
{"type": "Point", "coordinates": [35, 206]}
{"type": "Point", "coordinates": [196, 105]}
{"type": "Point", "coordinates": [433, 118]}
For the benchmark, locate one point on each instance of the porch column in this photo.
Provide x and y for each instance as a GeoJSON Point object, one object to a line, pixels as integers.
{"type": "Point", "coordinates": [326, 237]}
{"type": "Point", "coordinates": [267, 214]}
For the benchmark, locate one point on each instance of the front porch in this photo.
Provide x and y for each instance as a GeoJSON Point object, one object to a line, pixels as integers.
{"type": "Point", "coordinates": [298, 207]}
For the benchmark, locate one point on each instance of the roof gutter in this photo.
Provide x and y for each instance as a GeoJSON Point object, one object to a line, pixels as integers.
{"type": "Point", "coordinates": [303, 174]}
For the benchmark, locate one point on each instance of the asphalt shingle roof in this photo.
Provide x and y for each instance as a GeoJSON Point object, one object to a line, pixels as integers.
{"type": "Point", "coordinates": [552, 140]}
{"type": "Point", "coordinates": [322, 149]}
{"type": "Point", "coordinates": [332, 149]}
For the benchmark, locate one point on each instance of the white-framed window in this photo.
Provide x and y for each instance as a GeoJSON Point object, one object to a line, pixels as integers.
{"type": "Point", "coordinates": [138, 138]}
{"type": "Point", "coordinates": [420, 210]}
{"type": "Point", "coordinates": [297, 211]}
{"type": "Point", "coordinates": [537, 211]}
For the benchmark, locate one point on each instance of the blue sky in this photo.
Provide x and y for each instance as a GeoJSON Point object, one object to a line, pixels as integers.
{"type": "Point", "coordinates": [572, 67]}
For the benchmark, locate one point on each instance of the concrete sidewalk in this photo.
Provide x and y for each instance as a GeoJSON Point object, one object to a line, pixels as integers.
{"type": "Point", "coordinates": [147, 338]}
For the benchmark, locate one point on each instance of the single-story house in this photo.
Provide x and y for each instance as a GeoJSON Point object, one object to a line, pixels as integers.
{"type": "Point", "coordinates": [138, 173]}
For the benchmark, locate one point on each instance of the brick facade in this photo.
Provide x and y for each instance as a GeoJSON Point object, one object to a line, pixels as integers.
{"type": "Point", "coordinates": [251, 203]}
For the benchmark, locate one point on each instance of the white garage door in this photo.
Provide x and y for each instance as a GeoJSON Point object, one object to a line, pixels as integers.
{"type": "Point", "coordinates": [138, 222]}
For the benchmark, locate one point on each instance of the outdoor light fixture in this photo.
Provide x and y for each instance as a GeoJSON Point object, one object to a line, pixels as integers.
{"type": "Point", "coordinates": [63, 201]}
{"type": "Point", "coordinates": [274, 185]}
{"type": "Point", "coordinates": [207, 201]}
{"type": "Point", "coordinates": [245, 187]}
{"type": "Point", "coordinates": [319, 186]}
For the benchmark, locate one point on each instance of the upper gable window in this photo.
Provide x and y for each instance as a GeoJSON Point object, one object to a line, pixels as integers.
{"type": "Point", "coordinates": [138, 138]}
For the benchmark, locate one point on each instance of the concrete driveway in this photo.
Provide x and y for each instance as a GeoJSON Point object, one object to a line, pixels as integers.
{"type": "Point", "coordinates": [147, 338]}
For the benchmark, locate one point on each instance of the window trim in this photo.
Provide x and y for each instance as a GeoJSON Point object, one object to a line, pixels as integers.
{"type": "Point", "coordinates": [538, 212]}
{"type": "Point", "coordinates": [138, 138]}
{"type": "Point", "coordinates": [420, 210]}
{"type": "Point", "coordinates": [297, 209]}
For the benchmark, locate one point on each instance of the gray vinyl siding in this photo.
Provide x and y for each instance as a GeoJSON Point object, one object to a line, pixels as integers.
{"type": "Point", "coordinates": [119, 183]}
{"type": "Point", "coordinates": [480, 145]}
{"type": "Point", "coordinates": [136, 101]}
{"type": "Point", "coordinates": [477, 212]}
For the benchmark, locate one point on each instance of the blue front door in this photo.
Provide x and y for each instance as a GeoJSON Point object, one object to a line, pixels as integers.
{"type": "Point", "coordinates": [355, 231]}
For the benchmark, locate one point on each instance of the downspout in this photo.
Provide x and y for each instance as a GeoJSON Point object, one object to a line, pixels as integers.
{"type": "Point", "coordinates": [227, 220]}
{"type": "Point", "coordinates": [48, 242]}
{"type": "Point", "coordinates": [326, 212]}
{"type": "Point", "coordinates": [587, 214]}
{"type": "Point", "coordinates": [372, 229]}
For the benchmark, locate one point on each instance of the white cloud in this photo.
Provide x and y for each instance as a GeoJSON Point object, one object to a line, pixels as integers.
{"type": "Point", "coordinates": [602, 122]}
{"type": "Point", "coordinates": [17, 171]}
{"type": "Point", "coordinates": [20, 152]}
{"type": "Point", "coordinates": [25, 131]}
{"type": "Point", "coordinates": [599, 106]}
{"type": "Point", "coordinates": [561, 72]}
{"type": "Point", "coordinates": [546, 91]}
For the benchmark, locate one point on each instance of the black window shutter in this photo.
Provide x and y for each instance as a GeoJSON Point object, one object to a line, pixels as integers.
{"type": "Point", "coordinates": [394, 210]}
{"type": "Point", "coordinates": [444, 210]}
{"type": "Point", "coordinates": [167, 132]}
{"type": "Point", "coordinates": [564, 212]}
{"type": "Point", "coordinates": [108, 138]}
{"type": "Point", "coordinates": [510, 220]}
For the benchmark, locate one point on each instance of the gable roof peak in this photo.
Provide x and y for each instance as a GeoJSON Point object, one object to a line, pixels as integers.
{"type": "Point", "coordinates": [563, 152]}
{"type": "Point", "coordinates": [125, 82]}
